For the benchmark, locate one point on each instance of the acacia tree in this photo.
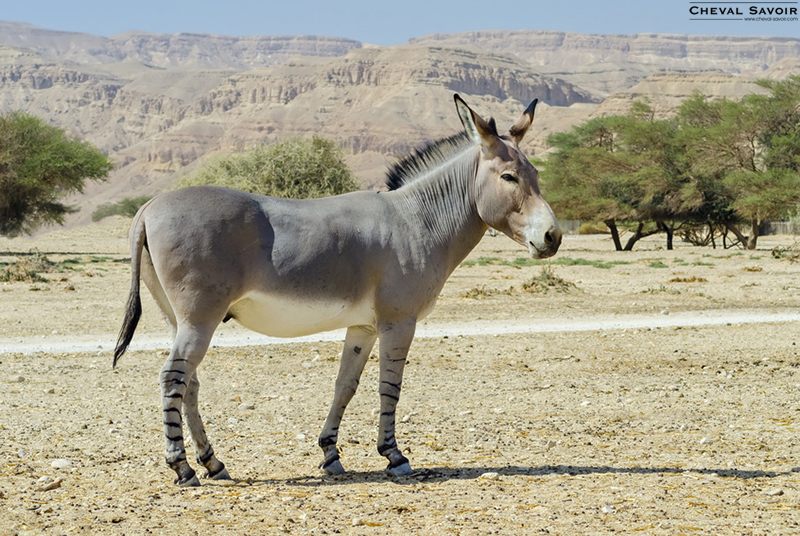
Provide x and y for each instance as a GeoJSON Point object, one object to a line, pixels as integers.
{"type": "Point", "coordinates": [746, 153]}
{"type": "Point", "coordinates": [719, 163]}
{"type": "Point", "coordinates": [620, 169]}
{"type": "Point", "coordinates": [39, 166]}
{"type": "Point", "coordinates": [581, 175]}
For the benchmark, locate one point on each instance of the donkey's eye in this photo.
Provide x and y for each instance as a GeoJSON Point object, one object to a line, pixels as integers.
{"type": "Point", "coordinates": [509, 177]}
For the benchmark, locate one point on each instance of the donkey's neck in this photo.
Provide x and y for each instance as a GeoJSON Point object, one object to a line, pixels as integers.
{"type": "Point", "coordinates": [441, 207]}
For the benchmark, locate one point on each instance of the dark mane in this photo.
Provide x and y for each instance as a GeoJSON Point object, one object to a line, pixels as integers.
{"type": "Point", "coordinates": [425, 158]}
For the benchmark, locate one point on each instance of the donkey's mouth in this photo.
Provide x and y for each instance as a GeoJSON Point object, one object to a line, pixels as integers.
{"type": "Point", "coordinates": [538, 253]}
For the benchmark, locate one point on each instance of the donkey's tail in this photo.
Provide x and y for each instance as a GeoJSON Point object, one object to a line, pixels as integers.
{"type": "Point", "coordinates": [133, 309]}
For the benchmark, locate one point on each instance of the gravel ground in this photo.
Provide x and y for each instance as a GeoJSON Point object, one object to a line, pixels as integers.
{"type": "Point", "coordinates": [660, 425]}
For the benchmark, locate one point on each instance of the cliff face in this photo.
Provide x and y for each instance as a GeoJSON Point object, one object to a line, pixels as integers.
{"type": "Point", "coordinates": [610, 63]}
{"type": "Point", "coordinates": [666, 91]}
{"type": "Point", "coordinates": [172, 50]}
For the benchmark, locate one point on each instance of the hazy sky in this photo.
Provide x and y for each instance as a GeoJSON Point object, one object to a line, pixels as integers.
{"type": "Point", "coordinates": [383, 23]}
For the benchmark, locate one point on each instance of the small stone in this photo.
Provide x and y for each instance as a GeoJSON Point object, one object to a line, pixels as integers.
{"type": "Point", "coordinates": [775, 492]}
{"type": "Point", "coordinates": [585, 403]}
{"type": "Point", "coordinates": [490, 476]}
{"type": "Point", "coordinates": [49, 484]}
{"type": "Point", "coordinates": [706, 441]}
{"type": "Point", "coordinates": [665, 312]}
{"type": "Point", "coordinates": [22, 452]}
{"type": "Point", "coordinates": [50, 391]}
{"type": "Point", "coordinates": [608, 509]}
{"type": "Point", "coordinates": [17, 379]}
{"type": "Point", "coordinates": [60, 464]}
{"type": "Point", "coordinates": [247, 406]}
{"type": "Point", "coordinates": [357, 522]}
{"type": "Point", "coordinates": [113, 430]}
{"type": "Point", "coordinates": [300, 437]}
{"type": "Point", "coordinates": [236, 398]}
{"type": "Point", "coordinates": [406, 418]}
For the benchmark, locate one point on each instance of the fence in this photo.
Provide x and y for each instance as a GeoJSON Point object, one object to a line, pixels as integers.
{"type": "Point", "coordinates": [570, 226]}
{"type": "Point", "coordinates": [779, 228]}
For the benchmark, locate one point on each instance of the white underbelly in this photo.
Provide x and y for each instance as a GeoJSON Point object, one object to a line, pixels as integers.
{"type": "Point", "coordinates": [277, 316]}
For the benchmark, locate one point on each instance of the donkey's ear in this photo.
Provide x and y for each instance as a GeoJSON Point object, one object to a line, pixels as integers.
{"type": "Point", "coordinates": [477, 129]}
{"type": "Point", "coordinates": [517, 132]}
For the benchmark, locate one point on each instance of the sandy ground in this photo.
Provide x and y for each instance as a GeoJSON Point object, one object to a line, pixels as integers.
{"type": "Point", "coordinates": [654, 395]}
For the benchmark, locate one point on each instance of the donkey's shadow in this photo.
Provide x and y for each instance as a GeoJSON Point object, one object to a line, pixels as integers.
{"type": "Point", "coordinates": [446, 474]}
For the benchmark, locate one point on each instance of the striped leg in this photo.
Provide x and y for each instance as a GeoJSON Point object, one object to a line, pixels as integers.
{"type": "Point", "coordinates": [188, 349]}
{"type": "Point", "coordinates": [202, 447]}
{"type": "Point", "coordinates": [395, 342]}
{"type": "Point", "coordinates": [357, 346]}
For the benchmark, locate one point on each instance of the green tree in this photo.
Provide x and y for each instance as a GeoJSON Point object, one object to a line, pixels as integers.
{"type": "Point", "coordinates": [717, 163]}
{"type": "Point", "coordinates": [581, 174]}
{"type": "Point", "coordinates": [620, 170]}
{"type": "Point", "coordinates": [297, 168]}
{"type": "Point", "coordinates": [39, 166]}
{"type": "Point", "coordinates": [745, 155]}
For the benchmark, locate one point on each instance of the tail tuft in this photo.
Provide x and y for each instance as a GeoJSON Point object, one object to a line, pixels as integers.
{"type": "Point", "coordinates": [133, 311]}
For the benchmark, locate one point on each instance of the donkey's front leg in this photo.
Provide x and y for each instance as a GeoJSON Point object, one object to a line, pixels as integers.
{"type": "Point", "coordinates": [395, 342]}
{"type": "Point", "coordinates": [357, 346]}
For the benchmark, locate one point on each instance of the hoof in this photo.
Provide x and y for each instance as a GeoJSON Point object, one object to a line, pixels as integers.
{"type": "Point", "coordinates": [333, 468]}
{"type": "Point", "coordinates": [222, 474]}
{"type": "Point", "coordinates": [404, 469]}
{"type": "Point", "coordinates": [189, 483]}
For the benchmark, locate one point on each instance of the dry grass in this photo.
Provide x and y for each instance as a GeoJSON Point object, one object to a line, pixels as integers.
{"type": "Point", "coordinates": [691, 279]}
{"type": "Point", "coordinates": [548, 280]}
{"type": "Point", "coordinates": [26, 269]}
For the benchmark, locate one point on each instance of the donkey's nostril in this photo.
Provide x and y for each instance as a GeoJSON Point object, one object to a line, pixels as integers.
{"type": "Point", "coordinates": [549, 239]}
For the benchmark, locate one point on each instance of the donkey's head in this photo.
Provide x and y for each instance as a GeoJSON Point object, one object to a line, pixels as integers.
{"type": "Point", "coordinates": [507, 185]}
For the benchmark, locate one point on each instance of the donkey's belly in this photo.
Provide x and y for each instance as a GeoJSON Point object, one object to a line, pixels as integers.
{"type": "Point", "coordinates": [278, 316]}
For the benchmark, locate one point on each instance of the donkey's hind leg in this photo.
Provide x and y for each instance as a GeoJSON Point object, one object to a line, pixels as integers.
{"type": "Point", "coordinates": [202, 446]}
{"type": "Point", "coordinates": [188, 349]}
{"type": "Point", "coordinates": [358, 344]}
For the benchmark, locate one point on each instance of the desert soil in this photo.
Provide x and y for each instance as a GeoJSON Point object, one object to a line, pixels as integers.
{"type": "Point", "coordinates": [666, 427]}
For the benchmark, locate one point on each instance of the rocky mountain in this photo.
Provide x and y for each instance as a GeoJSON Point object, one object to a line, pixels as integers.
{"type": "Point", "coordinates": [606, 64]}
{"type": "Point", "coordinates": [666, 91]}
{"type": "Point", "coordinates": [185, 51]}
{"type": "Point", "coordinates": [159, 104]}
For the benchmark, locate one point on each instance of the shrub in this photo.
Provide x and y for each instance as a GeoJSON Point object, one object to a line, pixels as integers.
{"type": "Point", "coordinates": [591, 228]}
{"type": "Point", "coordinates": [27, 269]}
{"type": "Point", "coordinates": [127, 207]}
{"type": "Point", "coordinates": [546, 280]}
{"type": "Point", "coordinates": [296, 168]}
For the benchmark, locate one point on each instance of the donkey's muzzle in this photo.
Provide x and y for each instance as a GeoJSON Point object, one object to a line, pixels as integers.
{"type": "Point", "coordinates": [548, 245]}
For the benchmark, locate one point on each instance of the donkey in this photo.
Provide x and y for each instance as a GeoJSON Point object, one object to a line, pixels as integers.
{"type": "Point", "coordinates": [371, 262]}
